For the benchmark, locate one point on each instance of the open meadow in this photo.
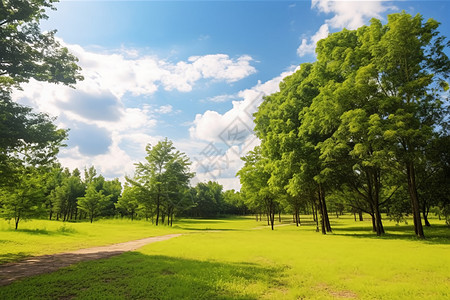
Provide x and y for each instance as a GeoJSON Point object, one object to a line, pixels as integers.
{"type": "Point", "coordinates": [236, 258]}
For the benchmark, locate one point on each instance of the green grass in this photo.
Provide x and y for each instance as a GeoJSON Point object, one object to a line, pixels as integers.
{"type": "Point", "coordinates": [236, 261]}
{"type": "Point", "coordinates": [39, 237]}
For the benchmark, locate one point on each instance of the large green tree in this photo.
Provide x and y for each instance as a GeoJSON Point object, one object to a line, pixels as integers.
{"type": "Point", "coordinates": [27, 53]}
{"type": "Point", "coordinates": [24, 198]}
{"type": "Point", "coordinates": [93, 202]}
{"type": "Point", "coordinates": [361, 116]}
{"type": "Point", "coordinates": [164, 177]}
{"type": "Point", "coordinates": [254, 177]}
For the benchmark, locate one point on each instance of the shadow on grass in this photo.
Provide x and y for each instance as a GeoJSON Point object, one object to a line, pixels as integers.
{"type": "Point", "coordinates": [11, 257]}
{"type": "Point", "coordinates": [134, 275]}
{"type": "Point", "coordinates": [62, 230]}
{"type": "Point", "coordinates": [435, 234]}
{"type": "Point", "coordinates": [203, 229]}
{"type": "Point", "coordinates": [201, 221]}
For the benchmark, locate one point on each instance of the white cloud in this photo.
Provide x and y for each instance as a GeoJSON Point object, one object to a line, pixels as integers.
{"type": "Point", "coordinates": [347, 14]}
{"type": "Point", "coordinates": [309, 47]}
{"type": "Point", "coordinates": [105, 133]}
{"type": "Point", "coordinates": [220, 98]}
{"type": "Point", "coordinates": [165, 109]}
{"type": "Point", "coordinates": [125, 71]}
{"type": "Point", "coordinates": [351, 14]}
{"type": "Point", "coordinates": [226, 137]}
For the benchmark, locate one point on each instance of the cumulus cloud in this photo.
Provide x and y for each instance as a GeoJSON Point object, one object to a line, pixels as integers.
{"type": "Point", "coordinates": [346, 14]}
{"type": "Point", "coordinates": [351, 14]}
{"type": "Point", "coordinates": [103, 131]}
{"type": "Point", "coordinates": [90, 139]}
{"type": "Point", "coordinates": [164, 109]}
{"type": "Point", "coordinates": [226, 137]}
{"type": "Point", "coordinates": [221, 98]}
{"type": "Point", "coordinates": [143, 75]}
{"type": "Point", "coordinates": [308, 46]}
{"type": "Point", "coordinates": [102, 106]}
{"type": "Point", "coordinates": [212, 126]}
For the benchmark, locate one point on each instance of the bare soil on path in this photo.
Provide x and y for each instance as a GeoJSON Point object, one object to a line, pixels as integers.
{"type": "Point", "coordinates": [49, 263]}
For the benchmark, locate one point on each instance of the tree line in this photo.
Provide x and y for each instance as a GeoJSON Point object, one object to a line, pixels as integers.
{"type": "Point", "coordinates": [364, 127]}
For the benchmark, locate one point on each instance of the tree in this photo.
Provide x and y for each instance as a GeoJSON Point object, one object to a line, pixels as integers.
{"type": "Point", "coordinates": [113, 188]}
{"type": "Point", "coordinates": [234, 203]}
{"type": "Point", "coordinates": [29, 53]}
{"type": "Point", "coordinates": [208, 200]}
{"type": "Point", "coordinates": [65, 196]}
{"type": "Point", "coordinates": [25, 137]}
{"type": "Point", "coordinates": [128, 202]}
{"type": "Point", "coordinates": [24, 198]}
{"type": "Point", "coordinates": [254, 177]}
{"type": "Point", "coordinates": [359, 116]}
{"type": "Point", "coordinates": [411, 69]}
{"type": "Point", "coordinates": [289, 140]}
{"type": "Point", "coordinates": [93, 202]}
{"type": "Point", "coordinates": [164, 177]}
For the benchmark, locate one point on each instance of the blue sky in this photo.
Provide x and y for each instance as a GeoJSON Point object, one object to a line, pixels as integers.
{"type": "Point", "coordinates": [192, 71]}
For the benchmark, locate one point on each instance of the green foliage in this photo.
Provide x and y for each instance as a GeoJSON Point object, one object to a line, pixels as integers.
{"type": "Point", "coordinates": [93, 202]}
{"type": "Point", "coordinates": [234, 203]}
{"type": "Point", "coordinates": [29, 53]}
{"type": "Point", "coordinates": [260, 196]}
{"type": "Point", "coordinates": [128, 202]}
{"type": "Point", "coordinates": [24, 198]}
{"type": "Point", "coordinates": [26, 138]}
{"type": "Point", "coordinates": [358, 122]}
{"type": "Point", "coordinates": [208, 200]}
{"type": "Point", "coordinates": [163, 180]}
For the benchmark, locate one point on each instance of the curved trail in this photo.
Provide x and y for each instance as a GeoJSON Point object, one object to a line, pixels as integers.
{"type": "Point", "coordinates": [49, 263]}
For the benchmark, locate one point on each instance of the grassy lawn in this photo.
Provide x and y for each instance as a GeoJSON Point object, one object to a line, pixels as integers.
{"type": "Point", "coordinates": [39, 237]}
{"type": "Point", "coordinates": [236, 259]}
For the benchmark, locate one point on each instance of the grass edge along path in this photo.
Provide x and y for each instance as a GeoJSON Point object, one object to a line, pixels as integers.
{"type": "Point", "coordinates": [11, 272]}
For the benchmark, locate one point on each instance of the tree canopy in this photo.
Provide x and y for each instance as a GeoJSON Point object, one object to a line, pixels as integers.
{"type": "Point", "coordinates": [358, 120]}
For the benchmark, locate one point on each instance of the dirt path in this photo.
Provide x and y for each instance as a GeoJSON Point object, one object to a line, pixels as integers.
{"type": "Point", "coordinates": [50, 263]}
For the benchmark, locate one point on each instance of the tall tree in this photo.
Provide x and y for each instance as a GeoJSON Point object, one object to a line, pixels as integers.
{"type": "Point", "coordinates": [412, 70]}
{"type": "Point", "coordinates": [128, 202]}
{"type": "Point", "coordinates": [93, 202]}
{"type": "Point", "coordinates": [254, 177]}
{"type": "Point", "coordinates": [25, 137]}
{"type": "Point", "coordinates": [25, 197]}
{"type": "Point", "coordinates": [164, 176]}
{"type": "Point", "coordinates": [28, 53]}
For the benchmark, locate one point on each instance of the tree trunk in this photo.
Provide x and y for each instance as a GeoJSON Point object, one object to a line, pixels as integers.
{"type": "Point", "coordinates": [425, 211]}
{"type": "Point", "coordinates": [17, 221]}
{"type": "Point", "coordinates": [324, 209]}
{"type": "Point", "coordinates": [157, 209]}
{"type": "Point", "coordinates": [314, 212]}
{"type": "Point", "coordinates": [360, 215]}
{"type": "Point", "coordinates": [374, 223]}
{"type": "Point", "coordinates": [354, 215]}
{"type": "Point", "coordinates": [320, 209]}
{"type": "Point", "coordinates": [412, 189]}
